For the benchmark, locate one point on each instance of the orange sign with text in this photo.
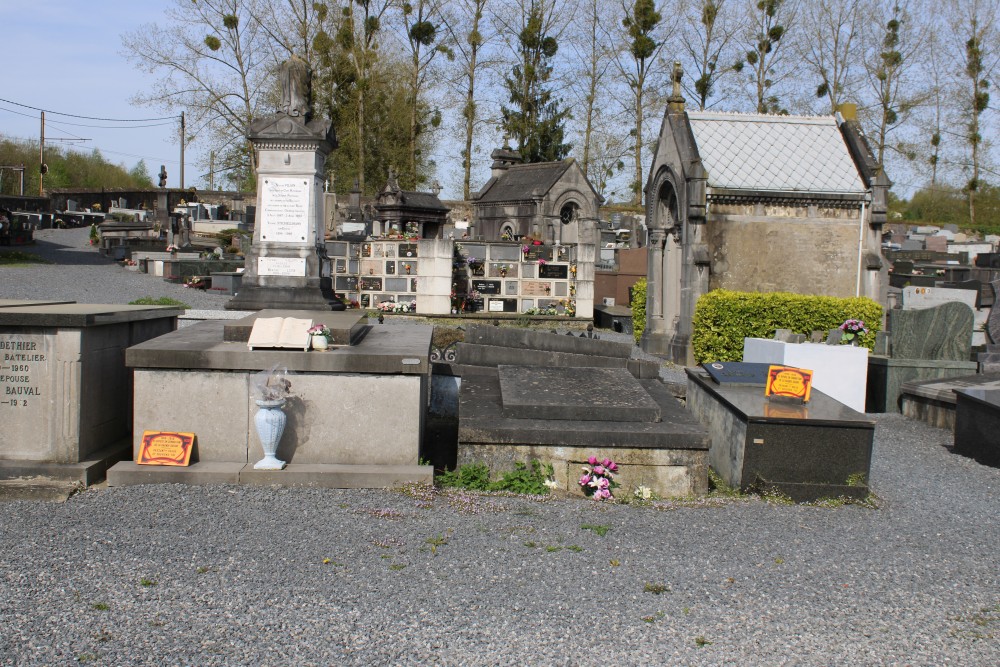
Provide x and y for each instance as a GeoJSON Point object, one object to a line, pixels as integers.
{"type": "Point", "coordinates": [165, 448]}
{"type": "Point", "coordinates": [789, 382]}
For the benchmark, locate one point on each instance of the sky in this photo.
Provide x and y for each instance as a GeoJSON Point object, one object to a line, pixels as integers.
{"type": "Point", "coordinates": [66, 56]}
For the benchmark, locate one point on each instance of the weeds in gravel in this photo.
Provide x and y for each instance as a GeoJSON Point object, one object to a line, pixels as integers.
{"type": "Point", "coordinates": [700, 641]}
{"type": "Point", "coordinates": [147, 582]}
{"type": "Point", "coordinates": [100, 606]}
{"type": "Point", "coordinates": [575, 548]}
{"type": "Point", "coordinates": [614, 562]}
{"type": "Point", "coordinates": [19, 258]}
{"type": "Point", "coordinates": [162, 301]}
{"type": "Point", "coordinates": [86, 657]}
{"type": "Point", "coordinates": [985, 624]}
{"type": "Point", "coordinates": [601, 530]}
{"type": "Point", "coordinates": [438, 540]}
{"type": "Point", "coordinates": [652, 618]}
{"type": "Point", "coordinates": [202, 569]}
{"type": "Point", "coordinates": [396, 567]}
{"type": "Point", "coordinates": [656, 589]}
{"type": "Point", "coordinates": [526, 479]}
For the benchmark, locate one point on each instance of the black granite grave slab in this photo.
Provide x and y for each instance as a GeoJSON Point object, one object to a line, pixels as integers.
{"type": "Point", "coordinates": [577, 394]}
{"type": "Point", "coordinates": [808, 452]}
{"type": "Point", "coordinates": [977, 425]}
{"type": "Point", "coordinates": [737, 373]}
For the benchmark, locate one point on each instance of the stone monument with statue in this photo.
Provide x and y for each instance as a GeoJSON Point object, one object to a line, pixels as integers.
{"type": "Point", "coordinates": [287, 266]}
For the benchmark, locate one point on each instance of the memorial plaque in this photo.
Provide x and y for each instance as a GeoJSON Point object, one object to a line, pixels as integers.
{"type": "Point", "coordinates": [165, 448]}
{"type": "Point", "coordinates": [788, 382]}
{"type": "Point", "coordinates": [503, 305]}
{"type": "Point", "coordinates": [366, 301]}
{"type": "Point", "coordinates": [341, 266]}
{"type": "Point", "coordinates": [366, 249]}
{"type": "Point", "coordinates": [371, 267]}
{"type": "Point", "coordinates": [390, 249]}
{"type": "Point", "coordinates": [396, 284]}
{"type": "Point", "coordinates": [413, 284]}
{"type": "Point", "coordinates": [407, 249]}
{"type": "Point", "coordinates": [737, 373]}
{"type": "Point", "coordinates": [281, 266]}
{"type": "Point", "coordinates": [486, 286]}
{"type": "Point", "coordinates": [553, 271]}
{"type": "Point", "coordinates": [347, 283]}
{"type": "Point", "coordinates": [390, 268]}
{"type": "Point", "coordinates": [535, 288]}
{"type": "Point", "coordinates": [511, 287]}
{"type": "Point", "coordinates": [561, 289]}
{"type": "Point", "coordinates": [284, 214]}
{"type": "Point", "coordinates": [369, 284]}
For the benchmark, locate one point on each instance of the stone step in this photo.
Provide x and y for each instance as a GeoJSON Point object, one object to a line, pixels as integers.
{"type": "Point", "coordinates": [330, 476]}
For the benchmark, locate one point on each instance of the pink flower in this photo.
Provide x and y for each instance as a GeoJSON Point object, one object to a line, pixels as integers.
{"type": "Point", "coordinates": [602, 494]}
{"type": "Point", "coordinates": [592, 460]}
{"type": "Point", "coordinates": [585, 480]}
{"type": "Point", "coordinates": [603, 483]}
{"type": "Point", "coordinates": [599, 470]}
{"type": "Point", "coordinates": [613, 467]}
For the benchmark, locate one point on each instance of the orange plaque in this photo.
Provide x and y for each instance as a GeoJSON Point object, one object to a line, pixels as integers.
{"type": "Point", "coordinates": [165, 448]}
{"type": "Point", "coordinates": [789, 382]}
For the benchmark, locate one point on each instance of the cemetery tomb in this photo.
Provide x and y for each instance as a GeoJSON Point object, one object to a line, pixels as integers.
{"type": "Point", "coordinates": [354, 418]}
{"type": "Point", "coordinates": [933, 401]}
{"type": "Point", "coordinates": [807, 451]}
{"type": "Point", "coordinates": [977, 424]}
{"type": "Point", "coordinates": [66, 390]}
{"type": "Point", "coordinates": [531, 395]}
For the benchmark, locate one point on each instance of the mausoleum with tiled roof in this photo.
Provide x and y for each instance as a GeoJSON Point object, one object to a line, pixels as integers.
{"type": "Point", "coordinates": [757, 202]}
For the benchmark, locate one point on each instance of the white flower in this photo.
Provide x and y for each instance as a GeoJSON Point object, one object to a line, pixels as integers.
{"type": "Point", "coordinates": [644, 492]}
{"type": "Point", "coordinates": [552, 484]}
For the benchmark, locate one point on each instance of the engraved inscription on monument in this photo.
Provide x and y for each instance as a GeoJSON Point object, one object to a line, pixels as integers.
{"type": "Point", "coordinates": [284, 215]}
{"type": "Point", "coordinates": [281, 266]}
{"type": "Point", "coordinates": [23, 362]}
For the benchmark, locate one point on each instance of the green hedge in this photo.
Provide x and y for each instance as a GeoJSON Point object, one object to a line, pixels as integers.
{"type": "Point", "coordinates": [638, 308]}
{"type": "Point", "coordinates": [722, 319]}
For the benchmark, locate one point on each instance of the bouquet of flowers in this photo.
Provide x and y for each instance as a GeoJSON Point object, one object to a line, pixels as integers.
{"type": "Point", "coordinates": [541, 262]}
{"type": "Point", "coordinates": [598, 479]}
{"type": "Point", "coordinates": [319, 330]}
{"type": "Point", "coordinates": [853, 328]}
{"type": "Point", "coordinates": [272, 385]}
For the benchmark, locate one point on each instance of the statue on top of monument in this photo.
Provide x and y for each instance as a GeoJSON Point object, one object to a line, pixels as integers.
{"type": "Point", "coordinates": [296, 88]}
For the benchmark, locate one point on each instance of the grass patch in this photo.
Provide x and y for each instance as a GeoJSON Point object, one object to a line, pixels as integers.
{"type": "Point", "coordinates": [147, 582]}
{"type": "Point", "coordinates": [656, 589]}
{"type": "Point", "coordinates": [601, 530]}
{"type": "Point", "coordinates": [524, 479]}
{"type": "Point", "coordinates": [162, 301]}
{"type": "Point", "coordinates": [19, 258]}
{"type": "Point", "coordinates": [100, 606]}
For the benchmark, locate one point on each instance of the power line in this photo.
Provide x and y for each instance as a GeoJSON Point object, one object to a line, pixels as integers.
{"type": "Point", "coordinates": [72, 115]}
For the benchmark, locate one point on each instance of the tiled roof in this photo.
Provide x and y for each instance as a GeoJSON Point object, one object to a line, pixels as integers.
{"type": "Point", "coordinates": [774, 153]}
{"type": "Point", "coordinates": [522, 181]}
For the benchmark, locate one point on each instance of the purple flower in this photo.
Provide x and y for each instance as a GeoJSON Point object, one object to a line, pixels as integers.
{"type": "Point", "coordinates": [612, 466]}
{"type": "Point", "coordinates": [585, 480]}
{"type": "Point", "coordinates": [599, 470]}
{"type": "Point", "coordinates": [592, 460]}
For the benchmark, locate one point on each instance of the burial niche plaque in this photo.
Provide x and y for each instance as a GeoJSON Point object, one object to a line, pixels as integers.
{"type": "Point", "coordinates": [284, 214]}
{"type": "Point", "coordinates": [486, 286]}
{"type": "Point", "coordinates": [553, 271]}
{"type": "Point", "coordinates": [165, 448]}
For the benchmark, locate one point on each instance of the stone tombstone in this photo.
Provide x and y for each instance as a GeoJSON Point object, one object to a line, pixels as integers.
{"type": "Point", "coordinates": [915, 298]}
{"type": "Point", "coordinates": [993, 323]}
{"type": "Point", "coordinates": [936, 243]}
{"type": "Point", "coordinates": [939, 333]}
{"type": "Point", "coordinates": [834, 337]}
{"type": "Point", "coordinates": [817, 337]}
{"type": "Point", "coordinates": [902, 266]}
{"type": "Point", "coordinates": [912, 244]}
{"type": "Point", "coordinates": [287, 266]}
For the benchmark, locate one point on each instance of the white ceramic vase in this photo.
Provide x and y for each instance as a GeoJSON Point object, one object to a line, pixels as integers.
{"type": "Point", "coordinates": [320, 342]}
{"type": "Point", "coordinates": [270, 422]}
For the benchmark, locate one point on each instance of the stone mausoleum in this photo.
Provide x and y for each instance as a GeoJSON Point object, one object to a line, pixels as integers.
{"type": "Point", "coordinates": [552, 202]}
{"type": "Point", "coordinates": [755, 202]}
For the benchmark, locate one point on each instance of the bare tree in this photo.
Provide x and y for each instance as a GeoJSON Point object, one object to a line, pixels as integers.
{"type": "Point", "coordinates": [896, 44]}
{"type": "Point", "coordinates": [974, 39]}
{"type": "Point", "coordinates": [830, 45]}
{"type": "Point", "coordinates": [213, 61]}
{"type": "Point", "coordinates": [640, 67]}
{"type": "Point", "coordinates": [593, 57]}
{"type": "Point", "coordinates": [764, 56]}
{"type": "Point", "coordinates": [707, 33]}
{"type": "Point", "coordinates": [470, 34]}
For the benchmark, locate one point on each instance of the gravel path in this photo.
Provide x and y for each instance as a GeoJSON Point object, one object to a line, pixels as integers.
{"type": "Point", "coordinates": [238, 576]}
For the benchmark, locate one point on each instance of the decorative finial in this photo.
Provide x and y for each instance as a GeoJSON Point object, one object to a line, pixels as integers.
{"type": "Point", "coordinates": [676, 100]}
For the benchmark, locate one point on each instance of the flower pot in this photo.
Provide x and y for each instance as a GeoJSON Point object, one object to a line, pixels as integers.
{"type": "Point", "coordinates": [270, 422]}
{"type": "Point", "coordinates": [407, 270]}
{"type": "Point", "coordinates": [319, 342]}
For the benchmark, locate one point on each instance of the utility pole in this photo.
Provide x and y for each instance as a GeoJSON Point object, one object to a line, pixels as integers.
{"type": "Point", "coordinates": [211, 170]}
{"type": "Point", "coordinates": [182, 150]}
{"type": "Point", "coordinates": [41, 157]}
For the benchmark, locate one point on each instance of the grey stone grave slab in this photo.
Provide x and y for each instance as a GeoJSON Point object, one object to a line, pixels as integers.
{"type": "Point", "coordinates": [817, 337]}
{"type": "Point", "coordinates": [543, 341]}
{"type": "Point", "coordinates": [737, 373]}
{"type": "Point", "coordinates": [834, 337]}
{"type": "Point", "coordinates": [993, 321]}
{"type": "Point", "coordinates": [577, 394]}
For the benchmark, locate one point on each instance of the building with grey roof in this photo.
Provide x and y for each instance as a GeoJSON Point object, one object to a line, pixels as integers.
{"type": "Point", "coordinates": [549, 201]}
{"type": "Point", "coordinates": [755, 202]}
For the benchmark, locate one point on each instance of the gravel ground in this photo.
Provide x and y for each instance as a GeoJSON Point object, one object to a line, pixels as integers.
{"type": "Point", "coordinates": [239, 576]}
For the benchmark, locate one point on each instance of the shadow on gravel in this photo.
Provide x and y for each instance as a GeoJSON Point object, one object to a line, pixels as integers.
{"type": "Point", "coordinates": [59, 253]}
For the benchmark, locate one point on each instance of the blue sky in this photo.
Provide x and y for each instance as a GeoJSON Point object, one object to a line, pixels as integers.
{"type": "Point", "coordinates": [65, 56]}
